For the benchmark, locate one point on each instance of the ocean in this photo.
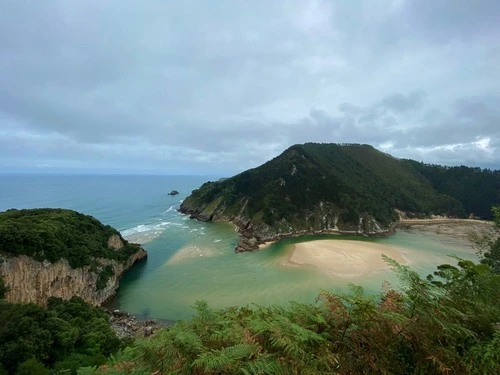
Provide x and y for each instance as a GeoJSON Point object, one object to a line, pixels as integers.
{"type": "Point", "coordinates": [189, 260]}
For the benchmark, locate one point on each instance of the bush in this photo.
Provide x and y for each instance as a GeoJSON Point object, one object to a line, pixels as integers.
{"type": "Point", "coordinates": [65, 335]}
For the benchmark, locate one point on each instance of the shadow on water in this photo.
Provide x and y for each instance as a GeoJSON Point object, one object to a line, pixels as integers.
{"type": "Point", "coordinates": [133, 274]}
{"type": "Point", "coordinates": [136, 272]}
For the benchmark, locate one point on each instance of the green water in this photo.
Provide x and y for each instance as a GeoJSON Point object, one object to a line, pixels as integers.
{"type": "Point", "coordinates": [192, 261]}
{"type": "Point", "coordinates": [166, 286]}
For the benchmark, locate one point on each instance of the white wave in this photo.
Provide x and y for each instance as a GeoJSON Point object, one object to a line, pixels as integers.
{"type": "Point", "coordinates": [170, 209]}
{"type": "Point", "coordinates": [146, 228]}
{"type": "Point", "coordinates": [144, 233]}
{"type": "Point", "coordinates": [217, 240]}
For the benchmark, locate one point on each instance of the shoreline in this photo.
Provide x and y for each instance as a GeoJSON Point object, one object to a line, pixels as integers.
{"type": "Point", "coordinates": [442, 221]}
{"type": "Point", "coordinates": [401, 224]}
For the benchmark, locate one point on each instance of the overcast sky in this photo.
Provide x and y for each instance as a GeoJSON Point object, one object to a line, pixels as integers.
{"type": "Point", "coordinates": [216, 87]}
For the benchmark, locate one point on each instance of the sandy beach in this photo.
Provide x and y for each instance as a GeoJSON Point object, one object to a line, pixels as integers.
{"type": "Point", "coordinates": [459, 229]}
{"type": "Point", "coordinates": [344, 258]}
{"type": "Point", "coordinates": [350, 259]}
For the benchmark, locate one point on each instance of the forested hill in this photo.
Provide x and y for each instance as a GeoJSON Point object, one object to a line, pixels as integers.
{"type": "Point", "coordinates": [313, 188]}
{"type": "Point", "coordinates": [476, 189]}
{"type": "Point", "coordinates": [52, 234]}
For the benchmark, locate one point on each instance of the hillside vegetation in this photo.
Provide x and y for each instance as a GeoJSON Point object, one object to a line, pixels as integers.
{"type": "Point", "coordinates": [63, 337]}
{"type": "Point", "coordinates": [53, 234]}
{"type": "Point", "coordinates": [475, 188]}
{"type": "Point", "coordinates": [314, 188]}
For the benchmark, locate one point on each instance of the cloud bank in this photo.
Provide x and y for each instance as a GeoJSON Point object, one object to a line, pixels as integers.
{"type": "Point", "coordinates": [218, 87]}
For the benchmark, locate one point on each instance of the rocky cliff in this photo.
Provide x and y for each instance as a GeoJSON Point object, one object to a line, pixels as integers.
{"type": "Point", "coordinates": [61, 253]}
{"type": "Point", "coordinates": [29, 280]}
{"type": "Point", "coordinates": [322, 219]}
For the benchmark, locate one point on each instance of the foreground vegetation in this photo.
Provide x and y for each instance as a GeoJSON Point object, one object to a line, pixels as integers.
{"type": "Point", "coordinates": [439, 326]}
{"type": "Point", "coordinates": [53, 234]}
{"type": "Point", "coordinates": [64, 336]}
{"type": "Point", "coordinates": [447, 323]}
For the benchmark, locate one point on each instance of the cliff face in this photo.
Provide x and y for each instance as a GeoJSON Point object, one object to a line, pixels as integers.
{"type": "Point", "coordinates": [322, 219]}
{"type": "Point", "coordinates": [54, 252]}
{"type": "Point", "coordinates": [29, 280]}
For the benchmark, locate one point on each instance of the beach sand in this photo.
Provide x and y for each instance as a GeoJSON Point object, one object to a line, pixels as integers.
{"type": "Point", "coordinates": [457, 230]}
{"type": "Point", "coordinates": [350, 259]}
{"type": "Point", "coordinates": [344, 258]}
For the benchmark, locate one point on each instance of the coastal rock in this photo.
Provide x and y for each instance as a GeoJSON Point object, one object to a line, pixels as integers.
{"type": "Point", "coordinates": [321, 220]}
{"type": "Point", "coordinates": [31, 281]}
{"type": "Point", "coordinates": [126, 325]}
{"type": "Point", "coordinates": [115, 242]}
{"type": "Point", "coordinates": [173, 192]}
{"type": "Point", "coordinates": [247, 244]}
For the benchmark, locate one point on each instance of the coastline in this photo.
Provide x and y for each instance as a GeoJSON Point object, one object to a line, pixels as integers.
{"type": "Point", "coordinates": [442, 221]}
{"type": "Point", "coordinates": [467, 225]}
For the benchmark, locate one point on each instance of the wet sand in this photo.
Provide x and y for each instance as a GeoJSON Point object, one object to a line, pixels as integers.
{"type": "Point", "coordinates": [459, 230]}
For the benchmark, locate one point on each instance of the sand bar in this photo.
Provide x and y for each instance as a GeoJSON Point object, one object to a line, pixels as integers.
{"type": "Point", "coordinates": [344, 258]}
{"type": "Point", "coordinates": [192, 251]}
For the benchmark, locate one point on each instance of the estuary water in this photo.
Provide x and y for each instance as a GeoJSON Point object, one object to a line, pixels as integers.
{"type": "Point", "coordinates": [189, 260]}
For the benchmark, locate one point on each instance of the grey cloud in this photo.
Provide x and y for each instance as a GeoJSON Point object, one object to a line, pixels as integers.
{"type": "Point", "coordinates": [227, 85]}
{"type": "Point", "coordinates": [443, 20]}
{"type": "Point", "coordinates": [467, 122]}
{"type": "Point", "coordinates": [402, 103]}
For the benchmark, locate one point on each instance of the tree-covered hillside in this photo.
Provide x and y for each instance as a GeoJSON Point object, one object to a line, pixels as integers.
{"type": "Point", "coordinates": [53, 234]}
{"type": "Point", "coordinates": [62, 337]}
{"type": "Point", "coordinates": [321, 187]}
{"type": "Point", "coordinates": [475, 188]}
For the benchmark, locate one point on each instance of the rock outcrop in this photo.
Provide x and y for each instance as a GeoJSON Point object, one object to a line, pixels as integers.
{"type": "Point", "coordinates": [126, 325]}
{"type": "Point", "coordinates": [29, 280]}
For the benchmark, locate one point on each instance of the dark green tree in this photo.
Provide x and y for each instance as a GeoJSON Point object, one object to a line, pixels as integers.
{"type": "Point", "coordinates": [3, 289]}
{"type": "Point", "coordinates": [32, 367]}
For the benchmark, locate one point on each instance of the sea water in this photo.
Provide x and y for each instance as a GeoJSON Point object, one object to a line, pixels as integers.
{"type": "Point", "coordinates": [190, 260]}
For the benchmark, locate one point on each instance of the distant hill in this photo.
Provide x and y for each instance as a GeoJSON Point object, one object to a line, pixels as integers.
{"type": "Point", "coordinates": [347, 188]}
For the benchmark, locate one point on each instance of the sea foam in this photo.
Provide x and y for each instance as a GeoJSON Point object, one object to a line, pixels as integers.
{"type": "Point", "coordinates": [144, 233]}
